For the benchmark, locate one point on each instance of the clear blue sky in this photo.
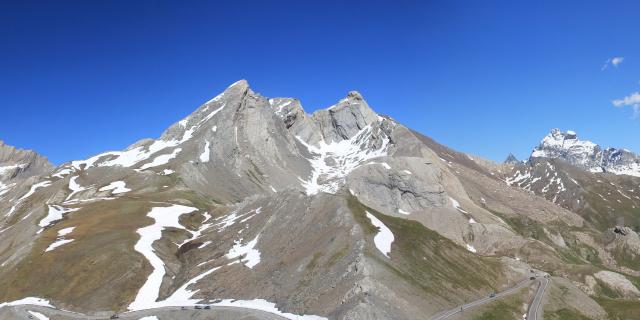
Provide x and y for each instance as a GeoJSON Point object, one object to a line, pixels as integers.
{"type": "Point", "coordinates": [485, 77]}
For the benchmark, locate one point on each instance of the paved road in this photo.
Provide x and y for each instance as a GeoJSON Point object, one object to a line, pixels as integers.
{"type": "Point", "coordinates": [534, 309]}
{"type": "Point", "coordinates": [21, 312]}
{"type": "Point", "coordinates": [449, 313]}
{"type": "Point", "coordinates": [166, 313]}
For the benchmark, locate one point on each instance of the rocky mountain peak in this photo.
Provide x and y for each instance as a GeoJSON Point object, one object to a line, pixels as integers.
{"type": "Point", "coordinates": [557, 136]}
{"type": "Point", "coordinates": [17, 165]}
{"type": "Point", "coordinates": [251, 203]}
{"type": "Point", "coordinates": [511, 159]}
{"type": "Point", "coordinates": [345, 119]}
{"type": "Point", "coordinates": [355, 95]}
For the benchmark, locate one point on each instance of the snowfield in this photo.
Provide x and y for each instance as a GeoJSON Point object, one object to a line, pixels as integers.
{"type": "Point", "coordinates": [204, 156]}
{"type": "Point", "coordinates": [54, 213]}
{"type": "Point", "coordinates": [165, 217]}
{"type": "Point", "coordinates": [31, 191]}
{"type": "Point", "coordinates": [27, 301]}
{"type": "Point", "coordinates": [348, 155]}
{"type": "Point", "coordinates": [74, 187]}
{"type": "Point", "coordinates": [161, 159]}
{"type": "Point", "coordinates": [250, 255]}
{"type": "Point", "coordinates": [61, 239]}
{"type": "Point", "coordinates": [117, 187]}
{"type": "Point", "coordinates": [384, 238]}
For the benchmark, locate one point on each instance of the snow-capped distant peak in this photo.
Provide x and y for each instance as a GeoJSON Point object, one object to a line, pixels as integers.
{"type": "Point", "coordinates": [557, 142]}
{"type": "Point", "coordinates": [586, 154]}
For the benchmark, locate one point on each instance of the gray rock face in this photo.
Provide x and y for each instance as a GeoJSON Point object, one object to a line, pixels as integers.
{"type": "Point", "coordinates": [16, 165]}
{"type": "Point", "coordinates": [511, 159]}
{"type": "Point", "coordinates": [345, 119]}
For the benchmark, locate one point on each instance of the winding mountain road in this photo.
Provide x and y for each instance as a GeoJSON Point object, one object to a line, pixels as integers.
{"type": "Point", "coordinates": [533, 313]}
{"type": "Point", "coordinates": [21, 311]}
{"type": "Point", "coordinates": [168, 313]}
{"type": "Point", "coordinates": [534, 309]}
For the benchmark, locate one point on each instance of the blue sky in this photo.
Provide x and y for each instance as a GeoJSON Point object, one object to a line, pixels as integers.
{"type": "Point", "coordinates": [485, 77]}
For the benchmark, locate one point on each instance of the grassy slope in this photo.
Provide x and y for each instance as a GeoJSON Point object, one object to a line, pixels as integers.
{"type": "Point", "coordinates": [431, 262]}
{"type": "Point", "coordinates": [620, 309]}
{"type": "Point", "coordinates": [506, 309]}
{"type": "Point", "coordinates": [100, 270]}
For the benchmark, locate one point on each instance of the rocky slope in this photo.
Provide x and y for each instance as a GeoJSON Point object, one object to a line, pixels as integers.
{"type": "Point", "coordinates": [253, 203]}
{"type": "Point", "coordinates": [18, 166]}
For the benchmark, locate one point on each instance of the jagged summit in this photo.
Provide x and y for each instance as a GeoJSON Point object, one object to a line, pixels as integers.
{"type": "Point", "coordinates": [18, 163]}
{"type": "Point", "coordinates": [586, 154]}
{"type": "Point", "coordinates": [251, 203]}
{"type": "Point", "coordinates": [511, 159]}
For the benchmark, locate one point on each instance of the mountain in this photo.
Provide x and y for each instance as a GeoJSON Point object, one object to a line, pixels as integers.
{"type": "Point", "coordinates": [586, 154]}
{"type": "Point", "coordinates": [252, 203]}
{"type": "Point", "coordinates": [601, 185]}
{"type": "Point", "coordinates": [511, 159]}
{"type": "Point", "coordinates": [17, 165]}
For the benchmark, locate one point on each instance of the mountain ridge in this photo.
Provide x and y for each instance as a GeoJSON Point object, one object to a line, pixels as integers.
{"type": "Point", "coordinates": [253, 203]}
{"type": "Point", "coordinates": [586, 154]}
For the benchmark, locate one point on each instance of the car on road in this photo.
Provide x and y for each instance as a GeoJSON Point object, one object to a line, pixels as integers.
{"type": "Point", "coordinates": [115, 316]}
{"type": "Point", "coordinates": [532, 278]}
{"type": "Point", "coordinates": [492, 295]}
{"type": "Point", "coordinates": [207, 307]}
{"type": "Point", "coordinates": [198, 307]}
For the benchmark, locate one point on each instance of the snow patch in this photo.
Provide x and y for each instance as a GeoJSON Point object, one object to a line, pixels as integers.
{"type": "Point", "coordinates": [250, 255]}
{"type": "Point", "coordinates": [384, 237]}
{"type": "Point", "coordinates": [161, 159]}
{"type": "Point", "coordinates": [471, 248]}
{"type": "Point", "coordinates": [233, 217]}
{"type": "Point", "coordinates": [27, 301]}
{"type": "Point", "coordinates": [204, 156]}
{"type": "Point", "coordinates": [164, 217]}
{"type": "Point", "coordinates": [61, 240]}
{"type": "Point", "coordinates": [31, 191]}
{"type": "Point", "coordinates": [456, 205]}
{"type": "Point", "coordinates": [5, 169]}
{"type": "Point", "coordinates": [132, 157]}
{"type": "Point", "coordinates": [38, 315]}
{"type": "Point", "coordinates": [117, 187]}
{"type": "Point", "coordinates": [204, 244]}
{"type": "Point", "coordinates": [62, 173]}
{"type": "Point", "coordinates": [54, 213]}
{"type": "Point", "coordinates": [75, 187]}
{"type": "Point", "coordinates": [347, 155]}
{"type": "Point", "coordinates": [34, 188]}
